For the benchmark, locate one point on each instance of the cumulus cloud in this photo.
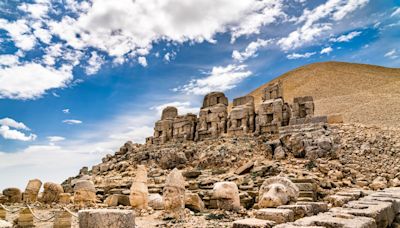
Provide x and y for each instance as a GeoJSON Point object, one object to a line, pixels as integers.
{"type": "Point", "coordinates": [6, 131]}
{"type": "Point", "coordinates": [20, 33]}
{"type": "Point", "coordinates": [392, 54]}
{"type": "Point", "coordinates": [142, 61]}
{"type": "Point", "coordinates": [300, 56]}
{"type": "Point", "coordinates": [55, 138]}
{"type": "Point", "coordinates": [251, 50]}
{"type": "Point", "coordinates": [31, 80]}
{"type": "Point", "coordinates": [8, 60]}
{"type": "Point", "coordinates": [326, 50]}
{"type": "Point", "coordinates": [316, 22]}
{"type": "Point", "coordinates": [219, 79]}
{"type": "Point", "coordinates": [347, 37]}
{"type": "Point", "coordinates": [72, 122]}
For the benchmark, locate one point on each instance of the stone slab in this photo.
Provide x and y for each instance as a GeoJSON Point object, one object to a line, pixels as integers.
{"type": "Point", "coordinates": [106, 218]}
{"type": "Point", "coordinates": [253, 223]}
{"type": "Point", "coordinates": [337, 220]}
{"type": "Point", "coordinates": [274, 214]}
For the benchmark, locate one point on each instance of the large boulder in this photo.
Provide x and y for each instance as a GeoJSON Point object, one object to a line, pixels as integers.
{"type": "Point", "coordinates": [194, 202]}
{"type": "Point", "coordinates": [227, 195]}
{"type": "Point", "coordinates": [277, 191]}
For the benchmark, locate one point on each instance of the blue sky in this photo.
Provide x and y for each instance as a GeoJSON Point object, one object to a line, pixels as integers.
{"type": "Point", "coordinates": [79, 78]}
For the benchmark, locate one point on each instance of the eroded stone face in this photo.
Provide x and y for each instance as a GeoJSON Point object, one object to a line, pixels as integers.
{"type": "Point", "coordinates": [163, 130]}
{"type": "Point", "coordinates": [213, 116]}
{"type": "Point", "coordinates": [269, 116]}
{"type": "Point", "coordinates": [174, 194]}
{"type": "Point", "coordinates": [227, 195]}
{"type": "Point", "coordinates": [51, 192]}
{"type": "Point", "coordinates": [184, 127]}
{"type": "Point", "coordinates": [32, 190]}
{"type": "Point", "coordinates": [84, 193]}
{"type": "Point", "coordinates": [241, 119]}
{"type": "Point", "coordinates": [277, 191]}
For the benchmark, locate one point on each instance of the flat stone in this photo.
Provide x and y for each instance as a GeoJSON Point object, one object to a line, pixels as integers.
{"type": "Point", "coordinates": [191, 173]}
{"type": "Point", "coordinates": [338, 200]}
{"type": "Point", "coordinates": [299, 211]}
{"type": "Point", "coordinates": [291, 225]}
{"type": "Point", "coordinates": [244, 168]}
{"type": "Point", "coordinates": [106, 218]}
{"type": "Point", "coordinates": [306, 186]}
{"type": "Point", "coordinates": [382, 212]}
{"type": "Point", "coordinates": [316, 207]}
{"type": "Point", "coordinates": [253, 223]}
{"type": "Point", "coordinates": [336, 220]}
{"type": "Point", "coordinates": [274, 214]}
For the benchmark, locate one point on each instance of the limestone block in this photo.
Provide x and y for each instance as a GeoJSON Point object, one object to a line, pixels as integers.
{"type": "Point", "coordinates": [253, 223]}
{"type": "Point", "coordinates": [299, 211]}
{"type": "Point", "coordinates": [106, 218]}
{"type": "Point", "coordinates": [13, 195]}
{"type": "Point", "coordinates": [194, 202]}
{"type": "Point", "coordinates": [274, 214]}
{"type": "Point", "coordinates": [317, 207]}
{"type": "Point", "coordinates": [338, 200]}
{"type": "Point", "coordinates": [292, 225]}
{"type": "Point", "coordinates": [63, 219]}
{"type": "Point", "coordinates": [244, 168]}
{"type": "Point", "coordinates": [336, 220]}
{"type": "Point", "coordinates": [382, 212]}
{"type": "Point", "coordinates": [3, 213]}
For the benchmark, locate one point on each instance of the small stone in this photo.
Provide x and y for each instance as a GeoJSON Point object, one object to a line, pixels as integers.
{"type": "Point", "coordinates": [244, 168]}
{"type": "Point", "coordinates": [253, 223]}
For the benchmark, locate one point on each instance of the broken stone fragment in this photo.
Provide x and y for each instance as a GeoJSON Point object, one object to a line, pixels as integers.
{"type": "Point", "coordinates": [106, 218]}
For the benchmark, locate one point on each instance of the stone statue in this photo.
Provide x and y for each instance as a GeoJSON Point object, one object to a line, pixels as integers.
{"type": "Point", "coordinates": [51, 193]}
{"type": "Point", "coordinates": [174, 194]}
{"type": "Point", "coordinates": [32, 190]}
{"type": "Point", "coordinates": [84, 193]}
{"type": "Point", "coordinates": [227, 196]}
{"type": "Point", "coordinates": [138, 197]}
{"type": "Point", "coordinates": [277, 191]}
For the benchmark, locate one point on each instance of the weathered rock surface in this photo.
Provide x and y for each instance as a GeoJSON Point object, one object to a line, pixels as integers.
{"type": "Point", "coordinates": [106, 218]}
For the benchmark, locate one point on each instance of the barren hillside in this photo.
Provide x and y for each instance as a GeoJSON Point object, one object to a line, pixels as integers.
{"type": "Point", "coordinates": [361, 93]}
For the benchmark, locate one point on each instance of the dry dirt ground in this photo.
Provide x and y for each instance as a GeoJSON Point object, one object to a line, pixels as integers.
{"type": "Point", "coordinates": [361, 93]}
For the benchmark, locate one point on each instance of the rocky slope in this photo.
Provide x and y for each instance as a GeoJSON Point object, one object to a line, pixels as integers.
{"type": "Point", "coordinates": [362, 93]}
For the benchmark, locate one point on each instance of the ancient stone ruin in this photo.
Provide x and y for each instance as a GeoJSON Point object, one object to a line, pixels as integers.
{"type": "Point", "coordinates": [244, 119]}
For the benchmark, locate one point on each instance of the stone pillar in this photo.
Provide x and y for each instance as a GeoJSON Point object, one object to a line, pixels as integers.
{"type": "Point", "coordinates": [106, 218]}
{"type": "Point", "coordinates": [138, 197]}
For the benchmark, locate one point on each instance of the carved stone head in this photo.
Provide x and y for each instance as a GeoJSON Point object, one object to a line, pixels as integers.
{"type": "Point", "coordinates": [227, 195]}
{"type": "Point", "coordinates": [139, 191]}
{"type": "Point", "coordinates": [174, 194]}
{"type": "Point", "coordinates": [277, 191]}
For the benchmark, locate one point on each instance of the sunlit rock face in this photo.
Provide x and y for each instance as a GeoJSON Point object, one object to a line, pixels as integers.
{"type": "Point", "coordinates": [51, 193]}
{"type": "Point", "coordinates": [174, 194]}
{"type": "Point", "coordinates": [138, 197]}
{"type": "Point", "coordinates": [277, 191]}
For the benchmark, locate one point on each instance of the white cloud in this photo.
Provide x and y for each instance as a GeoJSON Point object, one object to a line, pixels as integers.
{"type": "Point", "coordinates": [219, 79]}
{"type": "Point", "coordinates": [8, 133]}
{"type": "Point", "coordinates": [8, 60]}
{"type": "Point", "coordinates": [169, 56]}
{"type": "Point", "coordinates": [20, 33]}
{"type": "Point", "coordinates": [72, 121]}
{"type": "Point", "coordinates": [316, 21]}
{"type": "Point", "coordinates": [14, 124]}
{"type": "Point", "coordinates": [251, 50]}
{"type": "Point", "coordinates": [392, 54]}
{"type": "Point", "coordinates": [94, 63]}
{"type": "Point", "coordinates": [326, 50]}
{"type": "Point", "coordinates": [55, 138]}
{"type": "Point", "coordinates": [183, 107]}
{"type": "Point", "coordinates": [66, 111]}
{"type": "Point", "coordinates": [347, 37]}
{"type": "Point", "coordinates": [142, 61]}
{"type": "Point", "coordinates": [31, 80]}
{"type": "Point", "coordinates": [107, 26]}
{"type": "Point", "coordinates": [300, 56]}
{"type": "Point", "coordinates": [36, 10]}
{"type": "Point", "coordinates": [396, 12]}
